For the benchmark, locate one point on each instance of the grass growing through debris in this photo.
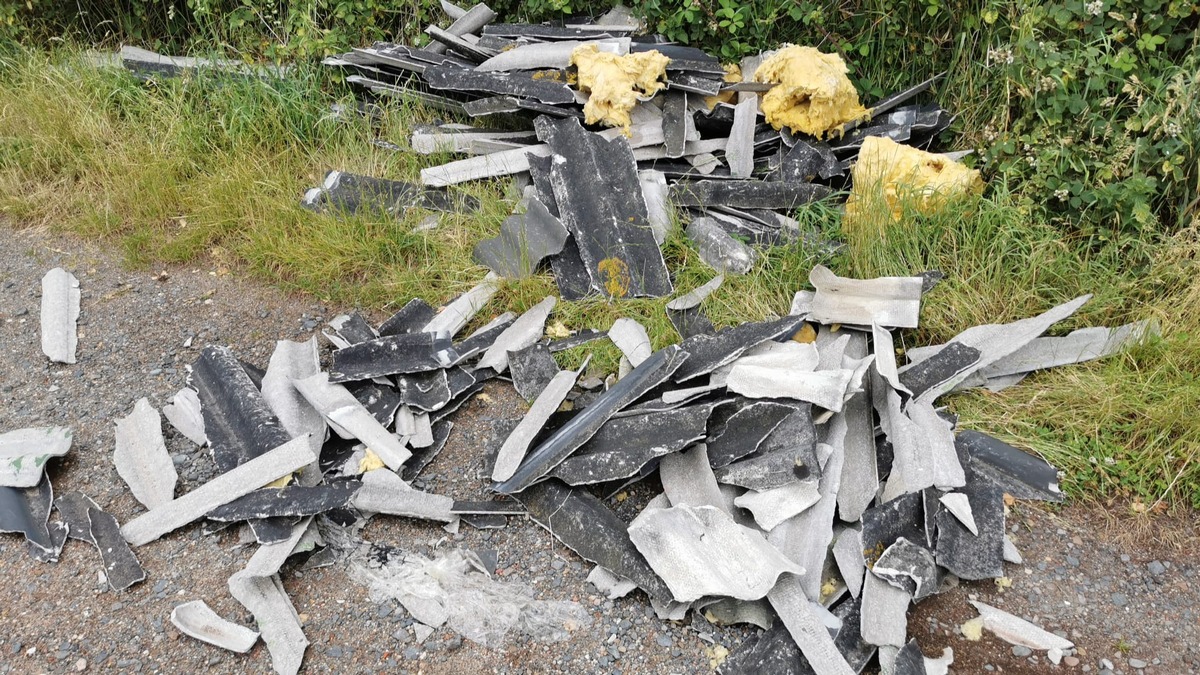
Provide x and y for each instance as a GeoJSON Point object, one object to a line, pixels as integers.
{"type": "Point", "coordinates": [209, 171]}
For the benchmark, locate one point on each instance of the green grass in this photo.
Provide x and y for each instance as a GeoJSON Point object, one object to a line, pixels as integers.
{"type": "Point", "coordinates": [210, 170]}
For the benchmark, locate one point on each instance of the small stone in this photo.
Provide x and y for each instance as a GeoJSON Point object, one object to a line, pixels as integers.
{"type": "Point", "coordinates": [1137, 663]}
{"type": "Point", "coordinates": [1021, 651]}
{"type": "Point", "coordinates": [412, 653]}
{"type": "Point", "coordinates": [1119, 599]}
{"type": "Point", "coordinates": [1106, 664]}
{"type": "Point", "coordinates": [1156, 568]}
{"type": "Point", "coordinates": [665, 640]}
{"type": "Point", "coordinates": [1071, 661]}
{"type": "Point", "coordinates": [81, 665]}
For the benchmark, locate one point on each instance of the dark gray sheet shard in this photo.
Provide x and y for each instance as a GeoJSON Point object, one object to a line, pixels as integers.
{"type": "Point", "coordinates": [889, 102]}
{"type": "Point", "coordinates": [25, 511]}
{"type": "Point", "coordinates": [410, 318]}
{"type": "Point", "coordinates": [788, 454]}
{"type": "Point", "coordinates": [352, 193]}
{"type": "Point", "coordinates": [542, 459]}
{"type": "Point", "coordinates": [624, 445]}
{"type": "Point", "coordinates": [421, 457]}
{"type": "Point", "coordinates": [690, 322]}
{"type": "Point", "coordinates": [805, 162]}
{"type": "Point", "coordinates": [482, 340]}
{"type": "Point", "coordinates": [694, 84]}
{"type": "Point", "coordinates": [581, 338]}
{"type": "Point", "coordinates": [737, 430]}
{"type": "Point", "coordinates": [461, 399]}
{"type": "Point", "coordinates": [427, 391]}
{"type": "Point", "coordinates": [485, 521]}
{"type": "Point", "coordinates": [930, 505]}
{"type": "Point", "coordinates": [858, 652]}
{"type": "Point", "coordinates": [884, 524]}
{"type": "Point", "coordinates": [1018, 473]}
{"type": "Point", "coordinates": [585, 525]}
{"type": "Point", "coordinates": [509, 104]}
{"type": "Point", "coordinates": [570, 272]}
{"type": "Point", "coordinates": [953, 359]}
{"type": "Point", "coordinates": [909, 567]}
{"type": "Point", "coordinates": [771, 652]}
{"type": "Point", "coordinates": [354, 328]}
{"type": "Point", "coordinates": [121, 566]}
{"type": "Point", "coordinates": [531, 369]}
{"type": "Point", "coordinates": [507, 508]}
{"type": "Point", "coordinates": [239, 424]}
{"type": "Point", "coordinates": [58, 538]}
{"type": "Point", "coordinates": [909, 660]}
{"type": "Point", "coordinates": [966, 555]}
{"type": "Point", "coordinates": [524, 241]}
{"type": "Point", "coordinates": [706, 353]}
{"type": "Point", "coordinates": [380, 400]}
{"type": "Point", "coordinates": [289, 501]}
{"type": "Point", "coordinates": [255, 373]}
{"type": "Point", "coordinates": [746, 194]}
{"type": "Point", "coordinates": [459, 379]}
{"type": "Point", "coordinates": [600, 201]}
{"type": "Point", "coordinates": [522, 84]}
{"type": "Point", "coordinates": [545, 32]}
{"type": "Point", "coordinates": [73, 510]}
{"type": "Point", "coordinates": [390, 355]}
{"type": "Point", "coordinates": [467, 49]}
{"type": "Point", "coordinates": [675, 122]}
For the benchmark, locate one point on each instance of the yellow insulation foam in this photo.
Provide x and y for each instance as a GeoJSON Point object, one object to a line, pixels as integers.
{"type": "Point", "coordinates": [888, 176]}
{"type": "Point", "coordinates": [616, 82]}
{"type": "Point", "coordinates": [813, 94]}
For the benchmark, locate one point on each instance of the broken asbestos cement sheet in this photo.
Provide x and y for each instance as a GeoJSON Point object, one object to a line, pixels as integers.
{"type": "Point", "coordinates": [522, 333]}
{"type": "Point", "coordinates": [694, 297]}
{"type": "Point", "coordinates": [1017, 631]}
{"type": "Point", "coordinates": [568, 438]}
{"type": "Point", "coordinates": [268, 467]}
{"type": "Point", "coordinates": [996, 341]}
{"type": "Point", "coordinates": [585, 525]}
{"type": "Point", "coordinates": [701, 551]}
{"type": "Point", "coordinates": [631, 338]}
{"type": "Point", "coordinates": [258, 588]}
{"type": "Point", "coordinates": [608, 219]}
{"type": "Point", "coordinates": [1085, 344]}
{"type": "Point", "coordinates": [512, 453]}
{"type": "Point", "coordinates": [610, 455]}
{"type": "Point", "coordinates": [807, 629]}
{"type": "Point", "coordinates": [459, 313]}
{"type": "Point", "coordinates": [384, 492]}
{"type": "Point", "coordinates": [1018, 473]}
{"type": "Point", "coordinates": [121, 566]}
{"type": "Point", "coordinates": [825, 388]}
{"type": "Point", "coordinates": [351, 420]}
{"type": "Point", "coordinates": [60, 312]}
{"type": "Point", "coordinates": [196, 619]}
{"type": "Point", "coordinates": [141, 456]}
{"type": "Point", "coordinates": [890, 302]}
{"type": "Point", "coordinates": [525, 239]}
{"type": "Point", "coordinates": [772, 507]}
{"type": "Point", "coordinates": [183, 412]}
{"type": "Point", "coordinates": [24, 453]}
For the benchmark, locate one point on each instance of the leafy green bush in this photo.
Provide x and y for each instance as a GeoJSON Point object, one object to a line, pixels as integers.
{"type": "Point", "coordinates": [1102, 122]}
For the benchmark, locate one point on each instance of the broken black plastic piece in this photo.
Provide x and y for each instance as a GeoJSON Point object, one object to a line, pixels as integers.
{"type": "Point", "coordinates": [289, 501]}
{"type": "Point", "coordinates": [1018, 473]}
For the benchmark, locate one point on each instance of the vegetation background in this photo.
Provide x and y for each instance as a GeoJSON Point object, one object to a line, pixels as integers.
{"type": "Point", "coordinates": [1084, 117]}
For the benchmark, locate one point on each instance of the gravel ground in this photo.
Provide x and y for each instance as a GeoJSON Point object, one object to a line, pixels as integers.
{"type": "Point", "coordinates": [1132, 605]}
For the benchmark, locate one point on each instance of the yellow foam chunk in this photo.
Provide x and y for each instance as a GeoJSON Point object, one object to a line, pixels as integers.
{"type": "Point", "coordinates": [813, 94]}
{"type": "Point", "coordinates": [888, 176]}
{"type": "Point", "coordinates": [370, 462]}
{"type": "Point", "coordinates": [973, 629]}
{"type": "Point", "coordinates": [282, 482]}
{"type": "Point", "coordinates": [615, 82]}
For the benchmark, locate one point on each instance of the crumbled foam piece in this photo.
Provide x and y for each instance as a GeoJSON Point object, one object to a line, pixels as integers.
{"type": "Point", "coordinates": [616, 82]}
{"type": "Point", "coordinates": [890, 176]}
{"type": "Point", "coordinates": [813, 94]}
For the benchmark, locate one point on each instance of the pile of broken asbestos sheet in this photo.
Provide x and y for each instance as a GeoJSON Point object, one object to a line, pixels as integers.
{"type": "Point", "coordinates": [737, 149]}
{"type": "Point", "coordinates": [809, 485]}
